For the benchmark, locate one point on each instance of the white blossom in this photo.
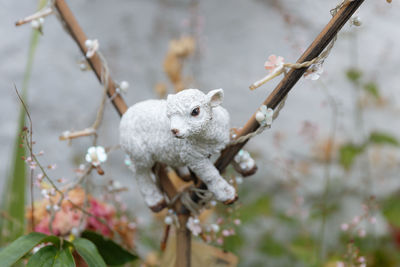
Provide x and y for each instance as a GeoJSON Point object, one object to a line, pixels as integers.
{"type": "Point", "coordinates": [195, 228]}
{"type": "Point", "coordinates": [96, 155]}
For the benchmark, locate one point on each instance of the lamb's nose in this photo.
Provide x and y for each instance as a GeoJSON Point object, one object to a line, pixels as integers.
{"type": "Point", "coordinates": [175, 131]}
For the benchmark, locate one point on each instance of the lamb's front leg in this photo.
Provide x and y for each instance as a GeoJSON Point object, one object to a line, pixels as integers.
{"type": "Point", "coordinates": [206, 171]}
{"type": "Point", "coordinates": [151, 193]}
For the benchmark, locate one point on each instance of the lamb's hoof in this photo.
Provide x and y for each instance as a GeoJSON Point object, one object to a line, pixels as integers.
{"type": "Point", "coordinates": [250, 172]}
{"type": "Point", "coordinates": [245, 172]}
{"type": "Point", "coordinates": [159, 206]}
{"type": "Point", "coordinates": [231, 201]}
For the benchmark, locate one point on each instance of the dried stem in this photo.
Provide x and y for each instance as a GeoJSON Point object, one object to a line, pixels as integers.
{"type": "Point", "coordinates": [29, 140]}
{"type": "Point", "coordinates": [40, 14]}
{"type": "Point", "coordinates": [75, 134]}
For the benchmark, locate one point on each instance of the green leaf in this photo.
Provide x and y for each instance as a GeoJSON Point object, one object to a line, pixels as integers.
{"type": "Point", "coordinates": [44, 257]}
{"type": "Point", "coordinates": [260, 207]}
{"type": "Point", "coordinates": [88, 252]}
{"type": "Point", "coordinates": [112, 253]}
{"type": "Point", "coordinates": [65, 258]}
{"type": "Point", "coordinates": [13, 202]}
{"type": "Point", "coordinates": [372, 88]}
{"type": "Point", "coordinates": [17, 249]}
{"type": "Point", "coordinates": [50, 256]}
{"type": "Point", "coordinates": [348, 153]}
{"type": "Point", "coordinates": [353, 74]}
{"type": "Point", "coordinates": [383, 138]}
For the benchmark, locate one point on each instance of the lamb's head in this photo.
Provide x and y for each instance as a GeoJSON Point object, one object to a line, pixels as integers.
{"type": "Point", "coordinates": [190, 111]}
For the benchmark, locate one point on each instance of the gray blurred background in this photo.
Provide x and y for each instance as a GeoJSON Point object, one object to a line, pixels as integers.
{"type": "Point", "coordinates": [234, 38]}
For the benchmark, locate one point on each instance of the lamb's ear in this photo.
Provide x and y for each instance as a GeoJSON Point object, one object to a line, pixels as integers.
{"type": "Point", "coordinates": [215, 97]}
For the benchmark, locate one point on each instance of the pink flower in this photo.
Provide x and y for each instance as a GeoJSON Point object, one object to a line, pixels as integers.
{"type": "Point", "coordinates": [340, 264]}
{"type": "Point", "coordinates": [103, 211]}
{"type": "Point", "coordinates": [362, 233]}
{"type": "Point", "coordinates": [64, 221]}
{"type": "Point", "coordinates": [372, 220]}
{"type": "Point", "coordinates": [273, 62]}
{"type": "Point", "coordinates": [344, 226]}
{"type": "Point", "coordinates": [220, 241]}
{"type": "Point", "coordinates": [237, 221]}
{"type": "Point", "coordinates": [356, 219]}
{"type": "Point", "coordinates": [226, 232]}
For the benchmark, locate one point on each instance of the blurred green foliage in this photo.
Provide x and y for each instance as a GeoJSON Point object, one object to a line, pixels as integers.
{"type": "Point", "coordinates": [12, 224]}
{"type": "Point", "coordinates": [349, 152]}
{"type": "Point", "coordinates": [354, 75]}
{"type": "Point", "coordinates": [372, 89]}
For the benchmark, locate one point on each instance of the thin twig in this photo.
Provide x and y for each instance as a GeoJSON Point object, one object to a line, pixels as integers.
{"type": "Point", "coordinates": [30, 151]}
{"type": "Point", "coordinates": [40, 14]}
{"type": "Point", "coordinates": [75, 134]}
{"type": "Point", "coordinates": [63, 194]}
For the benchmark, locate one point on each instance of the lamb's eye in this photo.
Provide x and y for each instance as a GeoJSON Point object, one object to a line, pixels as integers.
{"type": "Point", "coordinates": [195, 112]}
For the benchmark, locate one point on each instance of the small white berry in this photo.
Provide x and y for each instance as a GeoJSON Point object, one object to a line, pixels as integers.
{"type": "Point", "coordinates": [44, 193]}
{"type": "Point", "coordinates": [243, 166]}
{"type": "Point", "coordinates": [56, 208]}
{"type": "Point", "coordinates": [41, 21]}
{"type": "Point", "coordinates": [124, 85]}
{"type": "Point", "coordinates": [117, 185]}
{"type": "Point", "coordinates": [83, 66]}
{"type": "Point", "coordinates": [356, 21]}
{"type": "Point", "coordinates": [89, 43]}
{"type": "Point", "coordinates": [168, 220]}
{"type": "Point", "coordinates": [213, 203]}
{"type": "Point", "coordinates": [250, 163]}
{"type": "Point", "coordinates": [260, 117]}
{"type": "Point", "coordinates": [239, 180]}
{"type": "Point", "coordinates": [35, 24]}
{"type": "Point", "coordinates": [48, 207]}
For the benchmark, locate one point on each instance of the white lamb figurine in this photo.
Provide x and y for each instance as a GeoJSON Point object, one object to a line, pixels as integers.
{"type": "Point", "coordinates": [184, 130]}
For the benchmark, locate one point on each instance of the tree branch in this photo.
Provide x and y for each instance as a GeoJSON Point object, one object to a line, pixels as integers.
{"type": "Point", "coordinates": [76, 32]}
{"type": "Point", "coordinates": [292, 77]}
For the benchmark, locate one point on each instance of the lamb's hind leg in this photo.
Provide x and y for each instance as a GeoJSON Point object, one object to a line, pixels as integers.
{"type": "Point", "coordinates": [152, 195]}
{"type": "Point", "coordinates": [206, 171]}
